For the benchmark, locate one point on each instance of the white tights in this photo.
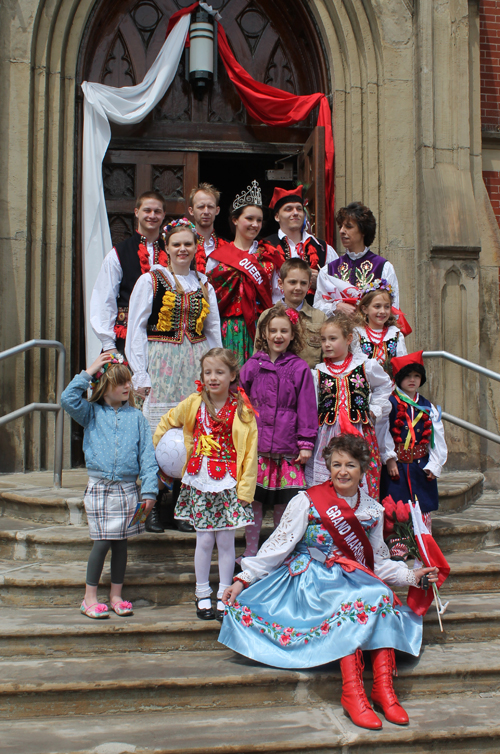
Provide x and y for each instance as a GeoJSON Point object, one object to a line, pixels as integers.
{"type": "Point", "coordinates": [205, 541]}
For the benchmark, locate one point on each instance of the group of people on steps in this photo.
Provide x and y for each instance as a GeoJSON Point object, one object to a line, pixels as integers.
{"type": "Point", "coordinates": [285, 366]}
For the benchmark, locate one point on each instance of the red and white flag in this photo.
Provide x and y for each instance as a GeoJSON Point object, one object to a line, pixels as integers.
{"type": "Point", "coordinates": [430, 555]}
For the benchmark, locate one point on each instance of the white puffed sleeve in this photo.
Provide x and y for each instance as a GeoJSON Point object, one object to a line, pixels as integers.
{"type": "Point", "coordinates": [331, 254]}
{"type": "Point", "coordinates": [389, 274]}
{"type": "Point", "coordinates": [211, 326]}
{"type": "Point", "coordinates": [439, 453]}
{"type": "Point", "coordinates": [385, 440]}
{"type": "Point", "coordinates": [136, 344]}
{"type": "Point", "coordinates": [281, 543]}
{"type": "Point", "coordinates": [401, 345]}
{"type": "Point", "coordinates": [103, 306]}
{"type": "Point", "coordinates": [380, 389]}
{"type": "Point", "coordinates": [394, 572]}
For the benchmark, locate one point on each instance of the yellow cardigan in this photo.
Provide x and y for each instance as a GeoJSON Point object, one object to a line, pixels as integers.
{"type": "Point", "coordinates": [244, 439]}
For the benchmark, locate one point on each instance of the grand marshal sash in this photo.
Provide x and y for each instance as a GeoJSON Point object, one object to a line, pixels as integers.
{"type": "Point", "coordinates": [255, 282]}
{"type": "Point", "coordinates": [341, 523]}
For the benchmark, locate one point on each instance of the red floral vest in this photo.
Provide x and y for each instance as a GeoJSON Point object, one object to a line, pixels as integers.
{"type": "Point", "coordinates": [209, 431]}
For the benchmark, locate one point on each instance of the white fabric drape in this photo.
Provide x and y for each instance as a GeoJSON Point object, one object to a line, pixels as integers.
{"type": "Point", "coordinates": [130, 104]}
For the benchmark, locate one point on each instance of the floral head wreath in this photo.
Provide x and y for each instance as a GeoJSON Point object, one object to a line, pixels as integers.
{"type": "Point", "coordinates": [116, 358]}
{"type": "Point", "coordinates": [182, 221]}
{"type": "Point", "coordinates": [380, 284]}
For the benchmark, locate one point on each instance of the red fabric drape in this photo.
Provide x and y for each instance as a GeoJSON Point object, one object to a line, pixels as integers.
{"type": "Point", "coordinates": [276, 107]}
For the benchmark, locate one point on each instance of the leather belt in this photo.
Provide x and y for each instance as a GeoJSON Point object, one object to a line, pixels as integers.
{"type": "Point", "coordinates": [411, 454]}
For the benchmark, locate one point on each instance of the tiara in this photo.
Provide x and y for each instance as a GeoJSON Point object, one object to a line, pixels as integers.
{"type": "Point", "coordinates": [379, 284]}
{"type": "Point", "coordinates": [181, 221]}
{"type": "Point", "coordinates": [252, 195]}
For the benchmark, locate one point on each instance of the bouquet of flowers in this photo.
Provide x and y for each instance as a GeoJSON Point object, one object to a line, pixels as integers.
{"type": "Point", "coordinates": [398, 530]}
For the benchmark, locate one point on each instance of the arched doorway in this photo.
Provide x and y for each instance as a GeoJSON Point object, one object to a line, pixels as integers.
{"type": "Point", "coordinates": [213, 139]}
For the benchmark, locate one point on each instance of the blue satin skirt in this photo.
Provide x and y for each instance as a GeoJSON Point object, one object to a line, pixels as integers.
{"type": "Point", "coordinates": [317, 616]}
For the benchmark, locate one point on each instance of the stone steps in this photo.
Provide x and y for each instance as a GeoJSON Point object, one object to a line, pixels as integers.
{"type": "Point", "coordinates": [44, 584]}
{"type": "Point", "coordinates": [459, 724]}
{"type": "Point", "coordinates": [31, 497]}
{"type": "Point", "coordinates": [196, 680]}
{"type": "Point", "coordinates": [63, 632]}
{"type": "Point", "coordinates": [476, 528]}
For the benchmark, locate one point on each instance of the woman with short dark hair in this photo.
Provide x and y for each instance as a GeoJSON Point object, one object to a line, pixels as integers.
{"type": "Point", "coordinates": [359, 266]}
{"type": "Point", "coordinates": [315, 591]}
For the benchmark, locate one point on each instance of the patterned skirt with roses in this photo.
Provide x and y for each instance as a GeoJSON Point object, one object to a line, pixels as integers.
{"type": "Point", "coordinates": [307, 614]}
{"type": "Point", "coordinates": [236, 338]}
{"type": "Point", "coordinates": [212, 510]}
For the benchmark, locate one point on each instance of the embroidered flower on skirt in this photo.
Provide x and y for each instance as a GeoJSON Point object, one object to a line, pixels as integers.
{"type": "Point", "coordinates": [350, 612]}
{"type": "Point", "coordinates": [278, 479]}
{"type": "Point", "coordinates": [212, 510]}
{"type": "Point", "coordinates": [235, 337]}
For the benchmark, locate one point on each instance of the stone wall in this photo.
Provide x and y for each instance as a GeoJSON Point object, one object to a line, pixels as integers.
{"type": "Point", "coordinates": [407, 120]}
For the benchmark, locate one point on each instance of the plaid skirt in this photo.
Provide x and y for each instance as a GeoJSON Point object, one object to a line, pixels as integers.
{"type": "Point", "coordinates": [109, 507]}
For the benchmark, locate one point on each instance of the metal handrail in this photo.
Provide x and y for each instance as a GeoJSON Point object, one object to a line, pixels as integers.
{"type": "Point", "coordinates": [59, 427]}
{"type": "Point", "coordinates": [475, 368]}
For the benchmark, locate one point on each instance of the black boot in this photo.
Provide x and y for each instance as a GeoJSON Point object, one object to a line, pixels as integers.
{"type": "Point", "coordinates": [153, 521]}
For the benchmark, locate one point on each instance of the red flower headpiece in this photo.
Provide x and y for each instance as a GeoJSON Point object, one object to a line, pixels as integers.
{"type": "Point", "coordinates": [292, 315]}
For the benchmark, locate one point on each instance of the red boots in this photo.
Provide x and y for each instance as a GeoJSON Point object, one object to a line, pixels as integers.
{"type": "Point", "coordinates": [383, 694]}
{"type": "Point", "coordinates": [354, 699]}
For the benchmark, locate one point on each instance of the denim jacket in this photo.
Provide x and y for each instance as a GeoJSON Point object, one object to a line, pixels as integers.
{"type": "Point", "coordinates": [117, 443]}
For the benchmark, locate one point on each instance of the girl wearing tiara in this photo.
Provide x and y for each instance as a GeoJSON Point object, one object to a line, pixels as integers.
{"type": "Point", "coordinates": [379, 336]}
{"type": "Point", "coordinates": [173, 321]}
{"type": "Point", "coordinates": [118, 449]}
{"type": "Point", "coordinates": [280, 387]}
{"type": "Point", "coordinates": [353, 394]}
{"type": "Point", "coordinates": [218, 485]}
{"type": "Point", "coordinates": [242, 274]}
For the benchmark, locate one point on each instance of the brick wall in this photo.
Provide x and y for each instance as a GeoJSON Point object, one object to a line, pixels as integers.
{"type": "Point", "coordinates": [490, 87]}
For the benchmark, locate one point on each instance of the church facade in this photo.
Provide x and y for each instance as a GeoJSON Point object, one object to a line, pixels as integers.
{"type": "Point", "coordinates": [407, 84]}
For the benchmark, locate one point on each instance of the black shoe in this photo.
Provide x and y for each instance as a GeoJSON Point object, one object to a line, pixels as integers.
{"type": "Point", "coordinates": [206, 613]}
{"type": "Point", "coordinates": [184, 526]}
{"type": "Point", "coordinates": [153, 521]}
{"type": "Point", "coordinates": [219, 615]}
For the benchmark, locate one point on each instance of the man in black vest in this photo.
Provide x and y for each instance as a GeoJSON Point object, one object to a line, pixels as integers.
{"type": "Point", "coordinates": [121, 269]}
{"type": "Point", "coordinates": [292, 239]}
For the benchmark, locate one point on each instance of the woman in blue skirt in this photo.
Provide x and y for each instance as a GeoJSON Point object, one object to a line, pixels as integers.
{"type": "Point", "coordinates": [317, 589]}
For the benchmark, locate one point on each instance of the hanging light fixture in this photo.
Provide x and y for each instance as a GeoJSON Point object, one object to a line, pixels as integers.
{"type": "Point", "coordinates": [202, 52]}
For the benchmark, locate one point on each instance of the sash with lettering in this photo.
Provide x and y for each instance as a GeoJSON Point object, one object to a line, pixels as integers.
{"type": "Point", "coordinates": [347, 533]}
{"type": "Point", "coordinates": [249, 276]}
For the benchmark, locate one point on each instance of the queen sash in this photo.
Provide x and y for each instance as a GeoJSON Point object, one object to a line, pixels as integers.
{"type": "Point", "coordinates": [347, 533]}
{"type": "Point", "coordinates": [254, 278]}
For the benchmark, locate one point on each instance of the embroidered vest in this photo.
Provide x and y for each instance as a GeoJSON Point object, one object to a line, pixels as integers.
{"type": "Point", "coordinates": [358, 272]}
{"type": "Point", "coordinates": [184, 310]}
{"type": "Point", "coordinates": [357, 391]}
{"type": "Point", "coordinates": [220, 461]}
{"type": "Point", "coordinates": [385, 351]}
{"type": "Point", "coordinates": [400, 420]}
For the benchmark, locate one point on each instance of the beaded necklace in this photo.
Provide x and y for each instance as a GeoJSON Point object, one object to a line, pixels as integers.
{"type": "Point", "coordinates": [357, 502]}
{"type": "Point", "coordinates": [337, 369]}
{"type": "Point", "coordinates": [376, 336]}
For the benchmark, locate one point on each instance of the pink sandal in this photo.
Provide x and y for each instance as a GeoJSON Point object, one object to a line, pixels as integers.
{"type": "Point", "coordinates": [97, 610]}
{"type": "Point", "coordinates": [122, 608]}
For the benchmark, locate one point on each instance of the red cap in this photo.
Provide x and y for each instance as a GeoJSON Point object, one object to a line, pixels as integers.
{"type": "Point", "coordinates": [398, 362]}
{"type": "Point", "coordinates": [282, 196]}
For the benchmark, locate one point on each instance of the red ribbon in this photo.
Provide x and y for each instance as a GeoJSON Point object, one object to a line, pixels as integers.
{"type": "Point", "coordinates": [199, 386]}
{"type": "Point", "coordinates": [246, 401]}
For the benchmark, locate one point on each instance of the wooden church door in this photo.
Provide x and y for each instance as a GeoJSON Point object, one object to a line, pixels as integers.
{"type": "Point", "coordinates": [212, 138]}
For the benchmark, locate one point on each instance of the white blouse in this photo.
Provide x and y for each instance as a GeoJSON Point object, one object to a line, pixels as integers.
{"type": "Point", "coordinates": [437, 455]}
{"type": "Point", "coordinates": [328, 295]}
{"type": "Point", "coordinates": [141, 303]}
{"type": "Point", "coordinates": [292, 527]}
{"type": "Point", "coordinates": [103, 302]}
{"type": "Point", "coordinates": [379, 381]}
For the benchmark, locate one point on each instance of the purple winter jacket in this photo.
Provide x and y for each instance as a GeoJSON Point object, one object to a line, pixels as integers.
{"type": "Point", "coordinates": [283, 394]}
